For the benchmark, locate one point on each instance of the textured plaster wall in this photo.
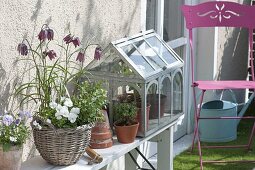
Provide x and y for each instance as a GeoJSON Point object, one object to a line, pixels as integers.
{"type": "Point", "coordinates": [100, 20]}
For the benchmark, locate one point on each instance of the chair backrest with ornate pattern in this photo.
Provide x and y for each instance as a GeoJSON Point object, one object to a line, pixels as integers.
{"type": "Point", "coordinates": [219, 14]}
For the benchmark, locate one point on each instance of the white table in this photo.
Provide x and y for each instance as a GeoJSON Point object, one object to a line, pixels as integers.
{"type": "Point", "coordinates": [164, 162]}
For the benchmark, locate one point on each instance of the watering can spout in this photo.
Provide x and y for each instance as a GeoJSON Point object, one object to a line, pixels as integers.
{"type": "Point", "coordinates": [245, 107]}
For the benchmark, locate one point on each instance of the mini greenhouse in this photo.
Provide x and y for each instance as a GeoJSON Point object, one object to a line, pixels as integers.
{"type": "Point", "coordinates": [145, 70]}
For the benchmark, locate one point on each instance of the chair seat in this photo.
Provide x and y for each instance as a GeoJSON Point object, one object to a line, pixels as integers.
{"type": "Point", "coordinates": [229, 84]}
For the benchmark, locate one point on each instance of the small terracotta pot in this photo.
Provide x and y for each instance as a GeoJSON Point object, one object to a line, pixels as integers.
{"type": "Point", "coordinates": [101, 134]}
{"type": "Point", "coordinates": [101, 144]}
{"type": "Point", "coordinates": [139, 118]}
{"type": "Point", "coordinates": [126, 134]}
{"type": "Point", "coordinates": [11, 159]}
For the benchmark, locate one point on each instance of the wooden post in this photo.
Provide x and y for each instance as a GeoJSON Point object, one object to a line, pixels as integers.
{"type": "Point", "coordinates": [165, 150]}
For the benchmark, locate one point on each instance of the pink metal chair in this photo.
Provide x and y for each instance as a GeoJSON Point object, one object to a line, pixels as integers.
{"type": "Point", "coordinates": [219, 14]}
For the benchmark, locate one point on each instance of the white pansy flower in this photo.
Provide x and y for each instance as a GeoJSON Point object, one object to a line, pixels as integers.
{"type": "Point", "coordinates": [75, 110]}
{"type": "Point", "coordinates": [39, 127]}
{"type": "Point", "coordinates": [64, 111]}
{"type": "Point", "coordinates": [53, 105]}
{"type": "Point", "coordinates": [62, 99]}
{"type": "Point", "coordinates": [68, 102]}
{"type": "Point", "coordinates": [72, 117]}
{"type": "Point", "coordinates": [35, 123]}
{"type": "Point", "coordinates": [13, 139]}
{"type": "Point", "coordinates": [59, 107]}
{"type": "Point", "coordinates": [48, 121]}
{"type": "Point", "coordinates": [58, 115]}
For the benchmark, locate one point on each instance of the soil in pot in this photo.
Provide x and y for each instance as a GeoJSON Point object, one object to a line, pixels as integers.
{"type": "Point", "coordinates": [126, 134]}
{"type": "Point", "coordinates": [153, 100]}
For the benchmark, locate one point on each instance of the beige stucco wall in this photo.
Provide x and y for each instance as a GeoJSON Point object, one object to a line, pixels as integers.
{"type": "Point", "coordinates": [103, 20]}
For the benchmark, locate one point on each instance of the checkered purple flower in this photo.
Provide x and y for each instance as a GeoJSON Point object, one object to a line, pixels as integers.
{"type": "Point", "coordinates": [22, 49]}
{"type": "Point", "coordinates": [80, 57]}
{"type": "Point", "coordinates": [76, 42]}
{"type": "Point", "coordinates": [98, 53]}
{"type": "Point", "coordinates": [68, 38]}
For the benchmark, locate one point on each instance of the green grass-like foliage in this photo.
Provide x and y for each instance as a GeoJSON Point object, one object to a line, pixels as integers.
{"type": "Point", "coordinates": [190, 161]}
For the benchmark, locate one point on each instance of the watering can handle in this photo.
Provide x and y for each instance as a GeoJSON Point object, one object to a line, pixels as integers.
{"type": "Point", "coordinates": [232, 94]}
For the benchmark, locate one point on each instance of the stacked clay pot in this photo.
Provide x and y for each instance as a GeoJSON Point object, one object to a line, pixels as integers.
{"type": "Point", "coordinates": [101, 134]}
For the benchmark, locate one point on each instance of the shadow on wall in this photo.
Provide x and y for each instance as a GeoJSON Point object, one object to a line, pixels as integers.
{"type": "Point", "coordinates": [8, 102]}
{"type": "Point", "coordinates": [235, 56]}
{"type": "Point", "coordinates": [38, 7]}
{"type": "Point", "coordinates": [4, 90]}
{"type": "Point", "coordinates": [94, 30]}
{"type": "Point", "coordinates": [94, 26]}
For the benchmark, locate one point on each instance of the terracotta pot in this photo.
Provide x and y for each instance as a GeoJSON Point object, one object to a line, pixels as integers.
{"type": "Point", "coordinates": [11, 160]}
{"type": "Point", "coordinates": [153, 100]}
{"type": "Point", "coordinates": [126, 134]}
{"type": "Point", "coordinates": [139, 118]}
{"type": "Point", "coordinates": [100, 144]}
{"type": "Point", "coordinates": [101, 134]}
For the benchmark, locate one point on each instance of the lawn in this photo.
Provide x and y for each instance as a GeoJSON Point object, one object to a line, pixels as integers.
{"type": "Point", "coordinates": [190, 161]}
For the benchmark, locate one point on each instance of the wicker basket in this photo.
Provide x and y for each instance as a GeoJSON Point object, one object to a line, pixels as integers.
{"type": "Point", "coordinates": [62, 146]}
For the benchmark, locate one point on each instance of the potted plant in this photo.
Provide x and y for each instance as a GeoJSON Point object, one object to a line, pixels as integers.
{"type": "Point", "coordinates": [125, 124]}
{"type": "Point", "coordinates": [135, 98]}
{"type": "Point", "coordinates": [13, 134]}
{"type": "Point", "coordinates": [62, 123]}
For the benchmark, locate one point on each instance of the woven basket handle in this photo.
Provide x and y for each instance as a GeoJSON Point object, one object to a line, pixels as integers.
{"type": "Point", "coordinates": [37, 118]}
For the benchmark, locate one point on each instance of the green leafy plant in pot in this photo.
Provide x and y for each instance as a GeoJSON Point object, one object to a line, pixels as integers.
{"type": "Point", "coordinates": [125, 124]}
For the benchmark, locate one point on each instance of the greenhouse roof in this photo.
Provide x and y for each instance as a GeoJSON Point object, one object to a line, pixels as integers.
{"type": "Point", "coordinates": [143, 55]}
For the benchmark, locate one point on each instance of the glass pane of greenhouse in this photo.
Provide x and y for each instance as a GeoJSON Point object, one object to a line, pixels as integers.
{"type": "Point", "coordinates": [150, 54]}
{"type": "Point", "coordinates": [161, 49]}
{"type": "Point", "coordinates": [141, 64]}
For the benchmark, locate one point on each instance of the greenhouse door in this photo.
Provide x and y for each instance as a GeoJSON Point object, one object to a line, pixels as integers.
{"type": "Point", "coordinates": [165, 17]}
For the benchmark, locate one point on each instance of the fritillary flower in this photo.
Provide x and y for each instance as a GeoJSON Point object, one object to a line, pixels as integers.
{"type": "Point", "coordinates": [68, 38]}
{"type": "Point", "coordinates": [98, 53]}
{"type": "Point", "coordinates": [51, 54]}
{"type": "Point", "coordinates": [76, 42]}
{"type": "Point", "coordinates": [80, 57]}
{"type": "Point", "coordinates": [50, 34]}
{"type": "Point", "coordinates": [42, 35]}
{"type": "Point", "coordinates": [22, 49]}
